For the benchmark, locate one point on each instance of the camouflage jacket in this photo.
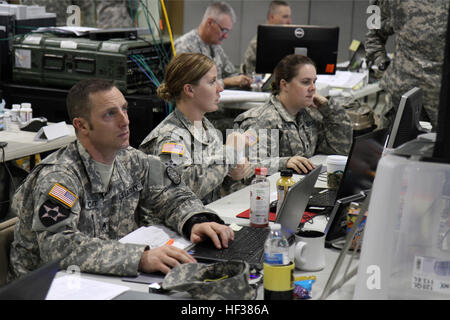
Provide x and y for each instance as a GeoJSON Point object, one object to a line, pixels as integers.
{"type": "Point", "coordinates": [326, 130]}
{"type": "Point", "coordinates": [191, 42]}
{"type": "Point", "coordinates": [419, 28]}
{"type": "Point", "coordinates": [65, 212]}
{"type": "Point", "coordinates": [199, 155]}
{"type": "Point", "coordinates": [97, 14]}
{"type": "Point", "coordinates": [250, 56]}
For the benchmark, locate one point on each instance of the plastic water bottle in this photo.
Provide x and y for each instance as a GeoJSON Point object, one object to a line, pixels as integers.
{"type": "Point", "coordinates": [278, 268]}
{"type": "Point", "coordinates": [276, 247]}
{"type": "Point", "coordinates": [260, 199]}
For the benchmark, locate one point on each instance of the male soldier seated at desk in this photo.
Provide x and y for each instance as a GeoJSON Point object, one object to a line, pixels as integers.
{"type": "Point", "coordinates": [78, 202]}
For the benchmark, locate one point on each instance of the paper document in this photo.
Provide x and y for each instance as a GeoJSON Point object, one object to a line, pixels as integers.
{"type": "Point", "coordinates": [74, 287]}
{"type": "Point", "coordinates": [342, 79]}
{"type": "Point", "coordinates": [156, 236]}
{"type": "Point", "coordinates": [52, 132]}
{"type": "Point", "coordinates": [243, 96]}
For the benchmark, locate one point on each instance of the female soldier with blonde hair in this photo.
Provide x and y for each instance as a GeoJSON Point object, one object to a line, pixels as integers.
{"type": "Point", "coordinates": [186, 139]}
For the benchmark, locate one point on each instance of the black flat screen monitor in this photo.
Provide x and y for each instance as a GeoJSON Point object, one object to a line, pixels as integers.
{"type": "Point", "coordinates": [442, 146]}
{"type": "Point", "coordinates": [406, 126]}
{"type": "Point", "coordinates": [358, 177]}
{"type": "Point", "coordinates": [319, 43]}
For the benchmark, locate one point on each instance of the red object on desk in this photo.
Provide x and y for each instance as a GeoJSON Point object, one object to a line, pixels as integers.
{"type": "Point", "coordinates": [272, 215]}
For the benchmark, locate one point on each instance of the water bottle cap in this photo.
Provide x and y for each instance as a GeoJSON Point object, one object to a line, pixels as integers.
{"type": "Point", "coordinates": [275, 226]}
{"type": "Point", "coordinates": [261, 171]}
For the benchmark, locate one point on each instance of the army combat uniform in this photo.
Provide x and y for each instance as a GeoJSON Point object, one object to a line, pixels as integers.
{"type": "Point", "coordinates": [191, 42]}
{"type": "Point", "coordinates": [250, 56]}
{"type": "Point", "coordinates": [420, 28]}
{"type": "Point", "coordinates": [326, 130]}
{"type": "Point", "coordinates": [67, 213]}
{"type": "Point", "coordinates": [199, 155]}
{"type": "Point", "coordinates": [96, 14]}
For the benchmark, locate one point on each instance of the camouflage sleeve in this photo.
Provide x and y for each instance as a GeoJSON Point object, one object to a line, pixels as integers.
{"type": "Point", "coordinates": [250, 56]}
{"type": "Point", "coordinates": [56, 225]}
{"type": "Point", "coordinates": [266, 151]}
{"type": "Point", "coordinates": [202, 173]}
{"type": "Point", "coordinates": [335, 131]}
{"type": "Point", "coordinates": [166, 198]}
{"type": "Point", "coordinates": [376, 38]}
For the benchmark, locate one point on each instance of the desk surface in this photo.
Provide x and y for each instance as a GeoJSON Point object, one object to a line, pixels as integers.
{"type": "Point", "coordinates": [22, 144]}
{"type": "Point", "coordinates": [231, 205]}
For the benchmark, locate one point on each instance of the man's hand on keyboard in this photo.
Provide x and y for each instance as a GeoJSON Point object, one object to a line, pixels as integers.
{"type": "Point", "coordinates": [219, 234]}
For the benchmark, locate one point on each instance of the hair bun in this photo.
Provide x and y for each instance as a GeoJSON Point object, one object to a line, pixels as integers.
{"type": "Point", "coordinates": [163, 92]}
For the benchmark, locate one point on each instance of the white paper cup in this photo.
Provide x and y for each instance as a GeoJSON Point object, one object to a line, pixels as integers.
{"type": "Point", "coordinates": [335, 170]}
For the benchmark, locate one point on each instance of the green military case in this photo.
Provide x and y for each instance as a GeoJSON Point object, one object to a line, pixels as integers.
{"type": "Point", "coordinates": [50, 60]}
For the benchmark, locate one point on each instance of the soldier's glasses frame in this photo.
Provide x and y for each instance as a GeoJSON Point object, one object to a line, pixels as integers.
{"type": "Point", "coordinates": [222, 29]}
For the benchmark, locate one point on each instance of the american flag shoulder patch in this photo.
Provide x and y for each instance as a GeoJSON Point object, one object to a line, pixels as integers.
{"type": "Point", "coordinates": [63, 195]}
{"type": "Point", "coordinates": [173, 148]}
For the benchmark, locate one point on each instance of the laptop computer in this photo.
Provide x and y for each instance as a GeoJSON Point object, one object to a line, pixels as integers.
{"type": "Point", "coordinates": [32, 286]}
{"type": "Point", "coordinates": [359, 171]}
{"type": "Point", "coordinates": [248, 244]}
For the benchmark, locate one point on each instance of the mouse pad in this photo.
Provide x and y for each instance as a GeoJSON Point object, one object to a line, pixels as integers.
{"type": "Point", "coordinates": [272, 215]}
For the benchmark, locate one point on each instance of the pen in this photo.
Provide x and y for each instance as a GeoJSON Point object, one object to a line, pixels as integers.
{"type": "Point", "coordinates": [169, 242]}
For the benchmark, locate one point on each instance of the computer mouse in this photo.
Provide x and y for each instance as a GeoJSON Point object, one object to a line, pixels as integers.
{"type": "Point", "coordinates": [33, 125]}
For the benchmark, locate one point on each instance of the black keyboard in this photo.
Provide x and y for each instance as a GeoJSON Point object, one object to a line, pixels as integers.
{"type": "Point", "coordinates": [322, 198]}
{"type": "Point", "coordinates": [248, 245]}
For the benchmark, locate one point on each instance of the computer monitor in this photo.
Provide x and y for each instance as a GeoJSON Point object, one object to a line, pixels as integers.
{"type": "Point", "coordinates": [319, 43]}
{"type": "Point", "coordinates": [358, 177]}
{"type": "Point", "coordinates": [442, 146]}
{"type": "Point", "coordinates": [406, 125]}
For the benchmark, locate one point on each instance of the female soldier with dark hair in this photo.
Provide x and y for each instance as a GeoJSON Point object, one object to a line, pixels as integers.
{"type": "Point", "coordinates": [305, 122]}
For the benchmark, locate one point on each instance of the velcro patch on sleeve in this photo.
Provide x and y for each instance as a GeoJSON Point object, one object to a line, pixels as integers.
{"type": "Point", "coordinates": [51, 213]}
{"type": "Point", "coordinates": [63, 195]}
{"type": "Point", "coordinates": [173, 148]}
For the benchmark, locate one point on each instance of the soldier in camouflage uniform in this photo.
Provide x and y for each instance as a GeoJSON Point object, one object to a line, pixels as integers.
{"type": "Point", "coordinates": [279, 13]}
{"type": "Point", "coordinates": [79, 201]}
{"type": "Point", "coordinates": [296, 123]}
{"type": "Point", "coordinates": [96, 14]}
{"type": "Point", "coordinates": [186, 139]}
{"type": "Point", "coordinates": [419, 28]}
{"type": "Point", "coordinates": [207, 38]}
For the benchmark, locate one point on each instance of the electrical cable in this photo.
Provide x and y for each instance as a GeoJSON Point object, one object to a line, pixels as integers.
{"type": "Point", "coordinates": [168, 26]}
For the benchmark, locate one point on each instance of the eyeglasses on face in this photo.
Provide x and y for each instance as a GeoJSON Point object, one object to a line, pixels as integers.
{"type": "Point", "coordinates": [222, 29]}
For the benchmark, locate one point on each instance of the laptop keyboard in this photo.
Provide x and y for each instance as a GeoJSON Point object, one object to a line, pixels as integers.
{"type": "Point", "coordinates": [248, 245]}
{"type": "Point", "coordinates": [322, 198]}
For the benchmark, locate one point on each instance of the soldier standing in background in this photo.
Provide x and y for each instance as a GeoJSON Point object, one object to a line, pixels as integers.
{"type": "Point", "coordinates": [80, 200]}
{"type": "Point", "coordinates": [419, 28]}
{"type": "Point", "coordinates": [279, 13]}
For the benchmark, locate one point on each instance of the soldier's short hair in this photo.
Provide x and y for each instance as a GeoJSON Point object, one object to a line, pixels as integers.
{"type": "Point", "coordinates": [274, 5]}
{"type": "Point", "coordinates": [287, 69]}
{"type": "Point", "coordinates": [218, 8]}
{"type": "Point", "coordinates": [184, 68]}
{"type": "Point", "coordinates": [78, 100]}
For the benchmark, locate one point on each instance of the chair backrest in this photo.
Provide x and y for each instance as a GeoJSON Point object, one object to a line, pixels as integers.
{"type": "Point", "coordinates": [6, 238]}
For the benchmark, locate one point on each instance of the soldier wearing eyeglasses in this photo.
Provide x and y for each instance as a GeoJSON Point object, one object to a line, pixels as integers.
{"type": "Point", "coordinates": [215, 26]}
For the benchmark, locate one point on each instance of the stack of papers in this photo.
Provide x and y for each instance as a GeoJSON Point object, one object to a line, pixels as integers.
{"type": "Point", "coordinates": [343, 79]}
{"type": "Point", "coordinates": [156, 236]}
{"type": "Point", "coordinates": [75, 287]}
